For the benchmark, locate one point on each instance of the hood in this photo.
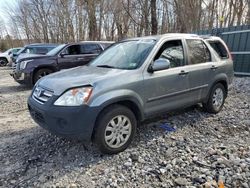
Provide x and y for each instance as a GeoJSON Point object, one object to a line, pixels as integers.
{"type": "Point", "coordinates": [22, 57]}
{"type": "Point", "coordinates": [4, 54]}
{"type": "Point", "coordinates": [80, 76]}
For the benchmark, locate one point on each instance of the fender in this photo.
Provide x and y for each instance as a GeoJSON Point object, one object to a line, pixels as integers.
{"type": "Point", "coordinates": [117, 96]}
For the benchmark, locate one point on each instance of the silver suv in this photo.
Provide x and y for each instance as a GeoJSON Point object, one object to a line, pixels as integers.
{"type": "Point", "coordinates": [129, 82]}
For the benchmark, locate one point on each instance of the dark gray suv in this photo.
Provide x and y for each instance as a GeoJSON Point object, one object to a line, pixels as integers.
{"type": "Point", "coordinates": [31, 68]}
{"type": "Point", "coordinates": [131, 81]}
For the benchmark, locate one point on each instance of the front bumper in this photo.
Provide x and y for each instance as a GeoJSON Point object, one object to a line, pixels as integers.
{"type": "Point", "coordinates": [22, 78]}
{"type": "Point", "coordinates": [70, 122]}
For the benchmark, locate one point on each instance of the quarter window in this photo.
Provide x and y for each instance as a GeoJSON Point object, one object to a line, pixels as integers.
{"type": "Point", "coordinates": [219, 49]}
{"type": "Point", "coordinates": [172, 51]}
{"type": "Point", "coordinates": [198, 52]}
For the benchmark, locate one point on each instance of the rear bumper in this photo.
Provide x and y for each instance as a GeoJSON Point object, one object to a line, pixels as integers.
{"type": "Point", "coordinates": [70, 122]}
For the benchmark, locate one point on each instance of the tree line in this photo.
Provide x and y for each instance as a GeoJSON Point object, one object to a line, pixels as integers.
{"type": "Point", "coordinates": [59, 21]}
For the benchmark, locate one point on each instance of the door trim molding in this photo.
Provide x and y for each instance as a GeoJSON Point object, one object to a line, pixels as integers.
{"type": "Point", "coordinates": [177, 93]}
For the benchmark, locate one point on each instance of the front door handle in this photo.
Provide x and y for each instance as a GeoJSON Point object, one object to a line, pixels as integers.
{"type": "Point", "coordinates": [80, 58]}
{"type": "Point", "coordinates": [214, 67]}
{"type": "Point", "coordinates": [183, 72]}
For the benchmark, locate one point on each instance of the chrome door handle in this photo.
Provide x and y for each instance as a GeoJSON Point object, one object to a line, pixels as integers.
{"type": "Point", "coordinates": [183, 72]}
{"type": "Point", "coordinates": [214, 67]}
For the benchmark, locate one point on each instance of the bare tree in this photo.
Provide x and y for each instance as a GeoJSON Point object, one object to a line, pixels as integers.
{"type": "Point", "coordinates": [73, 20]}
{"type": "Point", "coordinates": [154, 23]}
{"type": "Point", "coordinates": [248, 13]}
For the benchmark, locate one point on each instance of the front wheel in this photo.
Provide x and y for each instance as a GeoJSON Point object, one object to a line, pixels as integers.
{"type": "Point", "coordinates": [41, 73]}
{"type": "Point", "coordinates": [216, 99]}
{"type": "Point", "coordinates": [3, 62]}
{"type": "Point", "coordinates": [115, 129]}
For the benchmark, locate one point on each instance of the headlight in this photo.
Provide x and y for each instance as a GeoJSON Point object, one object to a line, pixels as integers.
{"type": "Point", "coordinates": [74, 97]}
{"type": "Point", "coordinates": [24, 63]}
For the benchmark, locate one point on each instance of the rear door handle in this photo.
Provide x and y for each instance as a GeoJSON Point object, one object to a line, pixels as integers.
{"type": "Point", "coordinates": [183, 72]}
{"type": "Point", "coordinates": [214, 67]}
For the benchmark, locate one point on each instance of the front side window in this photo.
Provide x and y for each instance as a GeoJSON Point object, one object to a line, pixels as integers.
{"type": "Point", "coordinates": [198, 51]}
{"type": "Point", "coordinates": [72, 50]}
{"type": "Point", "coordinates": [29, 50]}
{"type": "Point", "coordinates": [125, 55]}
{"type": "Point", "coordinates": [172, 51]}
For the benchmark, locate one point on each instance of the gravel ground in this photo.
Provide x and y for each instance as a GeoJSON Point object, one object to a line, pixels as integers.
{"type": "Point", "coordinates": [204, 149]}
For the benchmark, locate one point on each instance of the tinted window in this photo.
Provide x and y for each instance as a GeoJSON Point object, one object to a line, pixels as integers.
{"type": "Point", "coordinates": [41, 50]}
{"type": "Point", "coordinates": [198, 51]}
{"type": "Point", "coordinates": [219, 49]}
{"type": "Point", "coordinates": [29, 50]}
{"type": "Point", "coordinates": [37, 50]}
{"type": "Point", "coordinates": [15, 50]}
{"type": "Point", "coordinates": [173, 51]}
{"type": "Point", "coordinates": [72, 50]}
{"type": "Point", "coordinates": [106, 45]}
{"type": "Point", "coordinates": [90, 49]}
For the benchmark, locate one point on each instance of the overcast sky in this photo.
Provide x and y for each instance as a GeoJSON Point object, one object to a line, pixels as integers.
{"type": "Point", "coordinates": [4, 4]}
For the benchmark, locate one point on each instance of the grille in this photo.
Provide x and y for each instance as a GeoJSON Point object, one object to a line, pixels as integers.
{"type": "Point", "coordinates": [41, 95]}
{"type": "Point", "coordinates": [14, 66]}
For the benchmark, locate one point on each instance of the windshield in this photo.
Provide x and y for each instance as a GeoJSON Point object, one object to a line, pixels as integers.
{"type": "Point", "coordinates": [125, 55]}
{"type": "Point", "coordinates": [20, 51]}
{"type": "Point", "coordinates": [56, 50]}
{"type": "Point", "coordinates": [7, 51]}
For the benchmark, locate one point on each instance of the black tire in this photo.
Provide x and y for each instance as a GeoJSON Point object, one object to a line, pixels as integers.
{"type": "Point", "coordinates": [103, 123]}
{"type": "Point", "coordinates": [210, 106]}
{"type": "Point", "coordinates": [3, 62]}
{"type": "Point", "coordinates": [41, 73]}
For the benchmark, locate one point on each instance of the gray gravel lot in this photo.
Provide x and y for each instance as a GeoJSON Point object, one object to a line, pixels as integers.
{"type": "Point", "coordinates": [204, 148]}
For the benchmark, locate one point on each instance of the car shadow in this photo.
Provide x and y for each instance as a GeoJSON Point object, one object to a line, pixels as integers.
{"type": "Point", "coordinates": [178, 119]}
{"type": "Point", "coordinates": [14, 89]}
{"type": "Point", "coordinates": [34, 152]}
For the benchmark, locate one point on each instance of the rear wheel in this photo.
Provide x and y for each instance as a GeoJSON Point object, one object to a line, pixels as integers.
{"type": "Point", "coordinates": [41, 73]}
{"type": "Point", "coordinates": [3, 62]}
{"type": "Point", "coordinates": [115, 129]}
{"type": "Point", "coordinates": [216, 99]}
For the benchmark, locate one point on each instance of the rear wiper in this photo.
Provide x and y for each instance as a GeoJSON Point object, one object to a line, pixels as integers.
{"type": "Point", "coordinates": [105, 66]}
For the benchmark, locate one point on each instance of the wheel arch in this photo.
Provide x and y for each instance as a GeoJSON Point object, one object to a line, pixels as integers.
{"type": "Point", "coordinates": [127, 102]}
{"type": "Point", "coordinates": [221, 80]}
{"type": "Point", "coordinates": [5, 58]}
{"type": "Point", "coordinates": [39, 68]}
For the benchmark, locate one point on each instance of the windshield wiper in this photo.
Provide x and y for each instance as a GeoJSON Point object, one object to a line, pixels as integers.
{"type": "Point", "coordinates": [105, 66]}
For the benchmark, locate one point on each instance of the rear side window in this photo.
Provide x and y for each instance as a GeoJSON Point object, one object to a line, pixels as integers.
{"type": "Point", "coordinates": [219, 49]}
{"type": "Point", "coordinates": [198, 52]}
{"type": "Point", "coordinates": [90, 49]}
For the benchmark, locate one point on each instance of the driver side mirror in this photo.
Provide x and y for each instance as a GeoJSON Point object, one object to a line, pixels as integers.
{"type": "Point", "coordinates": [159, 64]}
{"type": "Point", "coordinates": [63, 54]}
